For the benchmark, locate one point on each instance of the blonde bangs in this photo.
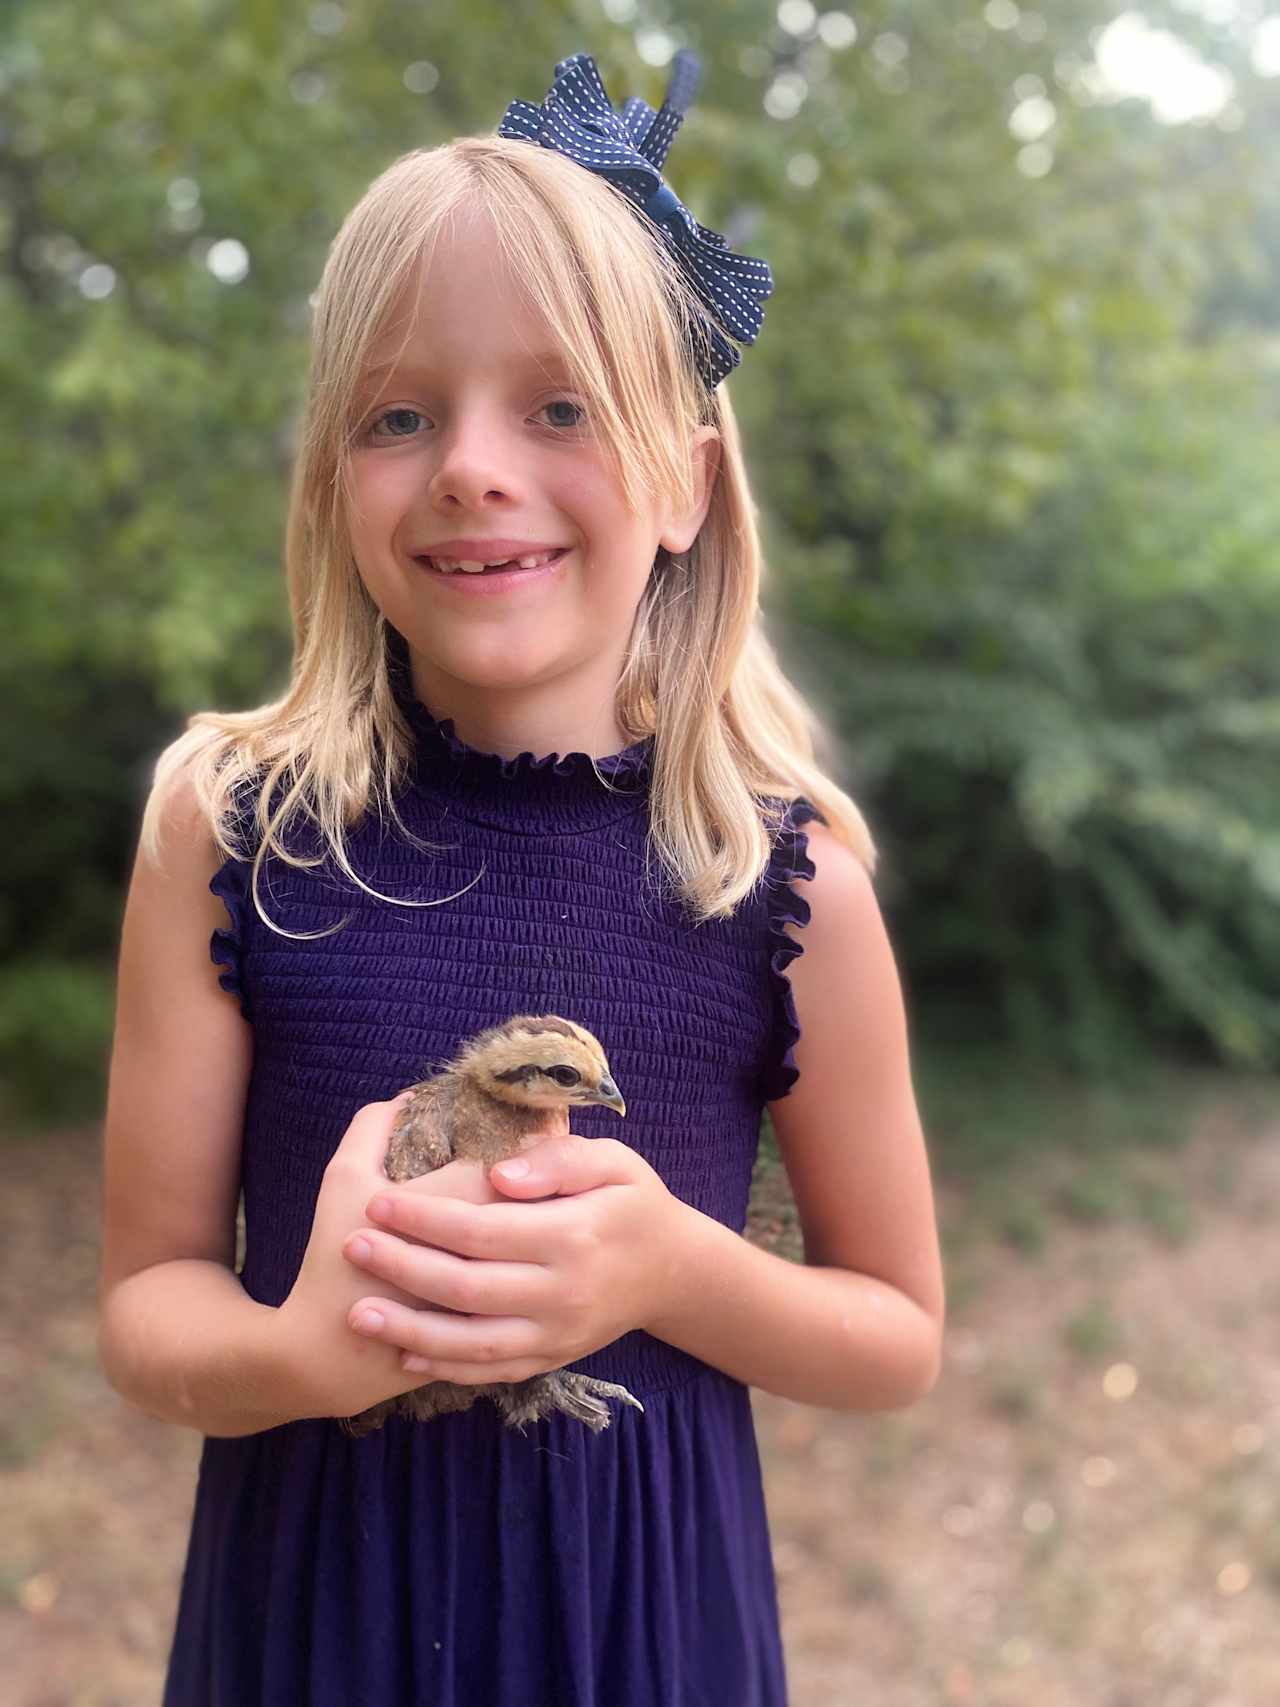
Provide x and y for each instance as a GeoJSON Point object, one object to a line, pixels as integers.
{"type": "Point", "coordinates": [733, 740]}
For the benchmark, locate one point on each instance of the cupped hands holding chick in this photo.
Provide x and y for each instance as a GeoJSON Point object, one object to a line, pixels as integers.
{"type": "Point", "coordinates": [593, 1249]}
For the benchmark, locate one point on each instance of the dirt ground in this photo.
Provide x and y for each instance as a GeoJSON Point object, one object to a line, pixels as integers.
{"type": "Point", "coordinates": [1084, 1513]}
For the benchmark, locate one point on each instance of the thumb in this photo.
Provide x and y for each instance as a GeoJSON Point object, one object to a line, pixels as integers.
{"type": "Point", "coordinates": [562, 1166]}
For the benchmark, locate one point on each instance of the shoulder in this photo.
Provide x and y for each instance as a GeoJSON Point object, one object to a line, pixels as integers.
{"type": "Point", "coordinates": [177, 827]}
{"type": "Point", "coordinates": [840, 880]}
{"type": "Point", "coordinates": [202, 803]}
{"type": "Point", "coordinates": [183, 885]}
{"type": "Point", "coordinates": [844, 912]}
{"type": "Point", "coordinates": [844, 979]}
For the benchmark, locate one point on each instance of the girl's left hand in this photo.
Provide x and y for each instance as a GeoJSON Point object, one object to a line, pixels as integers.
{"type": "Point", "coordinates": [596, 1250]}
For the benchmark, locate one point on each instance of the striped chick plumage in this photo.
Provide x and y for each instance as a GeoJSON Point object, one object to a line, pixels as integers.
{"type": "Point", "coordinates": [507, 1088]}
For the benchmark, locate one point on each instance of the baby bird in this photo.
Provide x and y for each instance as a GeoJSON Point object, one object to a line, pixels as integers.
{"type": "Point", "coordinates": [506, 1089]}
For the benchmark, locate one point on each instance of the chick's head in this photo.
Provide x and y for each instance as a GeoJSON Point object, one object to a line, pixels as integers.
{"type": "Point", "coordinates": [541, 1061]}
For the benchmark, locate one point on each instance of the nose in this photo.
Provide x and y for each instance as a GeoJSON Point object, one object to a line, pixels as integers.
{"type": "Point", "coordinates": [475, 464]}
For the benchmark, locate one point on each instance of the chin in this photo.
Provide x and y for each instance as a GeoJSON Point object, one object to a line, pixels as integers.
{"type": "Point", "coordinates": [496, 667]}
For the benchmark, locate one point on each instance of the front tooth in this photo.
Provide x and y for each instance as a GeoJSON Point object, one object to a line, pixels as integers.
{"type": "Point", "coordinates": [447, 565]}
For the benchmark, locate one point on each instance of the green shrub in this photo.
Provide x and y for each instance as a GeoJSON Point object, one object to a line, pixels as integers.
{"type": "Point", "coordinates": [55, 1037]}
{"type": "Point", "coordinates": [1067, 740]}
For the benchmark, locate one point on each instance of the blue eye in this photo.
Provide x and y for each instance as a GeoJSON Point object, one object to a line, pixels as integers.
{"type": "Point", "coordinates": [580, 413]}
{"type": "Point", "coordinates": [393, 414]}
{"type": "Point", "coordinates": [403, 422]}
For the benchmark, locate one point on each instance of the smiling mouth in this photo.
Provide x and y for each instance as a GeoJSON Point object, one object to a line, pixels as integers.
{"type": "Point", "coordinates": [513, 566]}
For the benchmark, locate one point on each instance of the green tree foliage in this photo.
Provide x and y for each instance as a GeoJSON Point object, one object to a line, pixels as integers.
{"type": "Point", "coordinates": [1023, 441]}
{"type": "Point", "coordinates": [1011, 419]}
{"type": "Point", "coordinates": [1073, 767]}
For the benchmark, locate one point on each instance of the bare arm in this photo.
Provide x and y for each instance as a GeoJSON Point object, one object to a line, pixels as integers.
{"type": "Point", "coordinates": [178, 1335]}
{"type": "Point", "coordinates": [860, 1325]}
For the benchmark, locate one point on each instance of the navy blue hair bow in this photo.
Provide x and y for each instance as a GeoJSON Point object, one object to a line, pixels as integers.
{"type": "Point", "coordinates": [628, 148]}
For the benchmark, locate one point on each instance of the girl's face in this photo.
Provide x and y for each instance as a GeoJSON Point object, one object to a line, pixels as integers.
{"type": "Point", "coordinates": [474, 447]}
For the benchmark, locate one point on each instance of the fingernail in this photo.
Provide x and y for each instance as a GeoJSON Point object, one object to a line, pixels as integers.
{"type": "Point", "coordinates": [414, 1365]}
{"type": "Point", "coordinates": [368, 1321]}
{"type": "Point", "coordinates": [513, 1170]}
{"type": "Point", "coordinates": [359, 1250]}
{"type": "Point", "coordinates": [380, 1209]}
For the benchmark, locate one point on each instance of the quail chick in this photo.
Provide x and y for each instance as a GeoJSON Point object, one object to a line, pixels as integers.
{"type": "Point", "coordinates": [506, 1089]}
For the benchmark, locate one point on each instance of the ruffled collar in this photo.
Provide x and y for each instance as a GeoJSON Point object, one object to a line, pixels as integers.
{"type": "Point", "coordinates": [572, 787]}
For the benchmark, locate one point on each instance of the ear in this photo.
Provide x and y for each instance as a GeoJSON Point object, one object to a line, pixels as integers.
{"type": "Point", "coordinates": [682, 527]}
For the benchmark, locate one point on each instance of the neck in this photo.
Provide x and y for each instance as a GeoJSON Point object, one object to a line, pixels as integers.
{"type": "Point", "coordinates": [561, 716]}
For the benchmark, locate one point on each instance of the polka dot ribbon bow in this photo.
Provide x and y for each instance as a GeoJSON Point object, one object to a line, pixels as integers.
{"type": "Point", "coordinates": [628, 148]}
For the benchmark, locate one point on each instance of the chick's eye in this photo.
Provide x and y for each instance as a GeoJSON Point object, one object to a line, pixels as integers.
{"type": "Point", "coordinates": [566, 1077]}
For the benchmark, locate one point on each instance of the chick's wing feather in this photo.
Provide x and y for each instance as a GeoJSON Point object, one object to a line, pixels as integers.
{"type": "Point", "coordinates": [422, 1140]}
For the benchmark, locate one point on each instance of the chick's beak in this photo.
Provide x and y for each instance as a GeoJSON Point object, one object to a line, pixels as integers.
{"type": "Point", "coordinates": [610, 1096]}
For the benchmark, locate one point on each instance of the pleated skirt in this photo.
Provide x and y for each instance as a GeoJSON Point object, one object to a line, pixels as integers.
{"type": "Point", "coordinates": [460, 1563]}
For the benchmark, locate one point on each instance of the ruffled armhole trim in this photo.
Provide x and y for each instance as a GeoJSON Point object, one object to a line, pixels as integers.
{"type": "Point", "coordinates": [230, 883]}
{"type": "Point", "coordinates": [790, 860]}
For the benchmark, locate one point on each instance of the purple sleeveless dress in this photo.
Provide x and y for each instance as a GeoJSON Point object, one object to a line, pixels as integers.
{"type": "Point", "coordinates": [459, 1563]}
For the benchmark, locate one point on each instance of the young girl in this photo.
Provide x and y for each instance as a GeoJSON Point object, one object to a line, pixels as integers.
{"type": "Point", "coordinates": [577, 785]}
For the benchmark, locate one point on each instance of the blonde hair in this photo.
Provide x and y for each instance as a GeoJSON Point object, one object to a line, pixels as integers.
{"type": "Point", "coordinates": [732, 737]}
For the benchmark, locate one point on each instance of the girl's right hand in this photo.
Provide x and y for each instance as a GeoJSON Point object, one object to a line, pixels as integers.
{"type": "Point", "coordinates": [330, 1370]}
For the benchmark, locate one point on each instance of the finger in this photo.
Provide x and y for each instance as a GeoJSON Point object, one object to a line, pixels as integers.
{"type": "Point", "coordinates": [497, 1231]}
{"type": "Point", "coordinates": [424, 1371]}
{"type": "Point", "coordinates": [563, 1166]}
{"type": "Point", "coordinates": [456, 1283]}
{"type": "Point", "coordinates": [462, 1177]}
{"type": "Point", "coordinates": [482, 1343]}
